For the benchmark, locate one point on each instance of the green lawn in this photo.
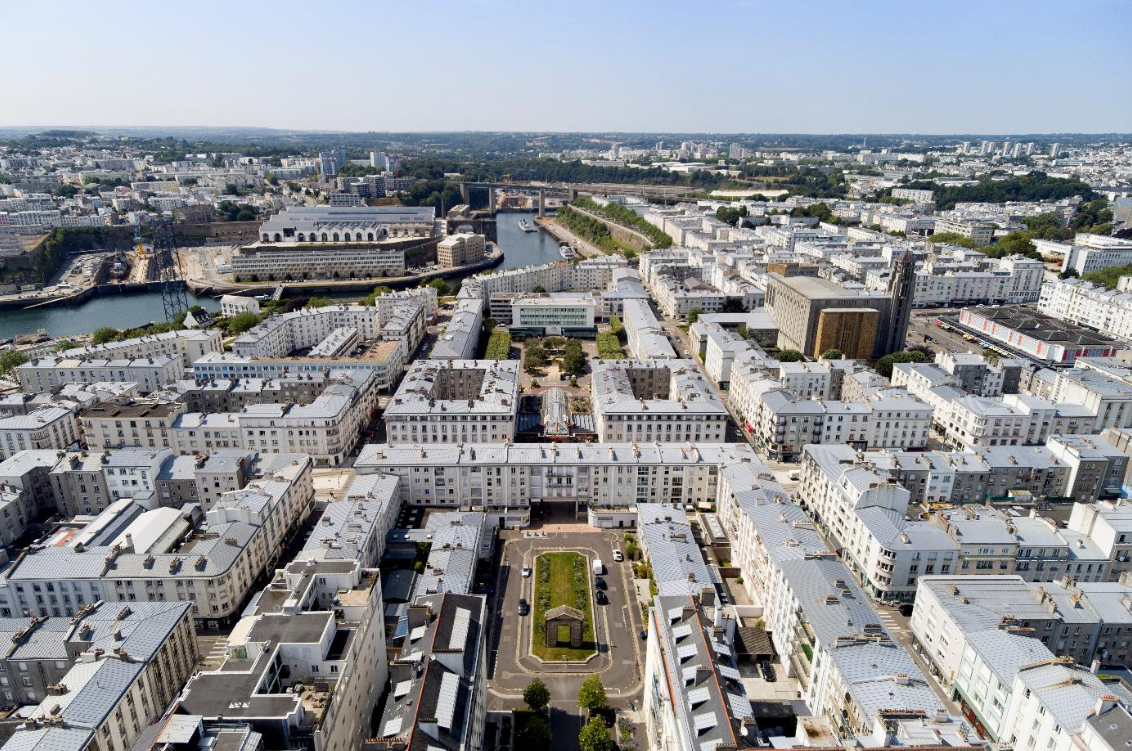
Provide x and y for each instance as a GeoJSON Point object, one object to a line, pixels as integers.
{"type": "Point", "coordinates": [561, 579]}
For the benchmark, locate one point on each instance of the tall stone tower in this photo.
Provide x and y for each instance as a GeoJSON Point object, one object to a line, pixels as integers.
{"type": "Point", "coordinates": [901, 290]}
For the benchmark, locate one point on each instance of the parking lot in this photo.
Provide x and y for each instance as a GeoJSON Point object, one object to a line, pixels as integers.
{"type": "Point", "coordinates": [617, 625]}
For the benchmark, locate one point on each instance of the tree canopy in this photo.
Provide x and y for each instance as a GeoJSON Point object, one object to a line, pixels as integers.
{"type": "Point", "coordinates": [573, 361]}
{"type": "Point", "coordinates": [1035, 186]}
{"type": "Point", "coordinates": [10, 359]}
{"type": "Point", "coordinates": [884, 364]}
{"type": "Point", "coordinates": [595, 735]}
{"type": "Point", "coordinates": [591, 694]}
{"type": "Point", "coordinates": [536, 695]}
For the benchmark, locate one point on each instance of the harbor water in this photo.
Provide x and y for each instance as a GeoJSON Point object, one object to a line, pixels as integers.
{"type": "Point", "coordinates": [139, 308]}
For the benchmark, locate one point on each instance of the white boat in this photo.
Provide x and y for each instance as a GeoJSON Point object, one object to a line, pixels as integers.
{"type": "Point", "coordinates": [566, 252]}
{"type": "Point", "coordinates": [527, 226]}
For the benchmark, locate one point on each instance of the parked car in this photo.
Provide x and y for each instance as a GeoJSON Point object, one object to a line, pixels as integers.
{"type": "Point", "coordinates": [767, 671]}
{"type": "Point", "coordinates": [526, 571]}
{"type": "Point", "coordinates": [601, 598]}
{"type": "Point", "coordinates": [644, 633]}
{"type": "Point", "coordinates": [599, 583]}
{"type": "Point", "coordinates": [524, 608]}
{"type": "Point", "coordinates": [617, 556]}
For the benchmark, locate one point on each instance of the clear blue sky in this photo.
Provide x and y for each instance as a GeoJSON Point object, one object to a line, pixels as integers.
{"type": "Point", "coordinates": [923, 66]}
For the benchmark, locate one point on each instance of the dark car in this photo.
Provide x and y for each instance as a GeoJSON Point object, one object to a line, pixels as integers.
{"type": "Point", "coordinates": [644, 633]}
{"type": "Point", "coordinates": [601, 598]}
{"type": "Point", "coordinates": [599, 583]}
{"type": "Point", "coordinates": [906, 610]}
{"type": "Point", "coordinates": [524, 608]}
{"type": "Point", "coordinates": [767, 671]}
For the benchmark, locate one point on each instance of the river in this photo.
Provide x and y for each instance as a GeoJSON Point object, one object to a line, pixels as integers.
{"type": "Point", "coordinates": [136, 309]}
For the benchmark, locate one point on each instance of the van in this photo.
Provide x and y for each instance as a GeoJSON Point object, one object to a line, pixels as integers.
{"type": "Point", "coordinates": [598, 569]}
{"type": "Point", "coordinates": [795, 475]}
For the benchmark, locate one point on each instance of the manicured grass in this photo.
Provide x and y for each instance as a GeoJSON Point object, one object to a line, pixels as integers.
{"type": "Point", "coordinates": [561, 579]}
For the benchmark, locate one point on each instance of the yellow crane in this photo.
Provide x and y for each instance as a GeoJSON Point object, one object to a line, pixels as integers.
{"type": "Point", "coordinates": [140, 247]}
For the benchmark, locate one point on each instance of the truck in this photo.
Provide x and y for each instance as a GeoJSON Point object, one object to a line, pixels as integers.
{"type": "Point", "coordinates": [597, 567]}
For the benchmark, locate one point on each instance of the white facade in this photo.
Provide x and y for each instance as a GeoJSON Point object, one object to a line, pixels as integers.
{"type": "Point", "coordinates": [456, 401]}
{"type": "Point", "coordinates": [655, 400]}
{"type": "Point", "coordinates": [46, 428]}
{"type": "Point", "coordinates": [149, 373]}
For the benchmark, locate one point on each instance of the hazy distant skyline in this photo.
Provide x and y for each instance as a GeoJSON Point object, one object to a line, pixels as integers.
{"type": "Point", "coordinates": [730, 67]}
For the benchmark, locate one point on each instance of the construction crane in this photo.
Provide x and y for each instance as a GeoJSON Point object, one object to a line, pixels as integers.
{"type": "Point", "coordinates": [139, 246]}
{"type": "Point", "coordinates": [164, 266]}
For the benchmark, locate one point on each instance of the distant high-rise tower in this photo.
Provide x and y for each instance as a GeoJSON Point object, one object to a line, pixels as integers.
{"type": "Point", "coordinates": [901, 290]}
{"type": "Point", "coordinates": [1054, 150]}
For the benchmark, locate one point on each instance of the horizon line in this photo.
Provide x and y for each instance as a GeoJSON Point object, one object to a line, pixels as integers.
{"type": "Point", "coordinates": [956, 134]}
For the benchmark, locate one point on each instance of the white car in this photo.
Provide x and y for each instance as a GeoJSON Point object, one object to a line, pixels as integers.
{"type": "Point", "coordinates": [526, 571]}
{"type": "Point", "coordinates": [617, 556]}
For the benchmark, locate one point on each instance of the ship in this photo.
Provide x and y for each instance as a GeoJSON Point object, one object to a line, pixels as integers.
{"type": "Point", "coordinates": [527, 226]}
{"type": "Point", "coordinates": [566, 252]}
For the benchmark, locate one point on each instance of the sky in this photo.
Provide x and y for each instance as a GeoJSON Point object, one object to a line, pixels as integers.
{"type": "Point", "coordinates": [734, 66]}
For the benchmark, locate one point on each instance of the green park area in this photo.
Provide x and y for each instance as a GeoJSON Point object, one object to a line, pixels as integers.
{"type": "Point", "coordinates": [562, 579]}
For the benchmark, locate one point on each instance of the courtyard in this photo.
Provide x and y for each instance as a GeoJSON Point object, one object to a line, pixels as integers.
{"type": "Point", "coordinates": [615, 645]}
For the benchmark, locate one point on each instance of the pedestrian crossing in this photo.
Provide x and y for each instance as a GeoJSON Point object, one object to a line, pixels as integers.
{"type": "Point", "coordinates": [891, 622]}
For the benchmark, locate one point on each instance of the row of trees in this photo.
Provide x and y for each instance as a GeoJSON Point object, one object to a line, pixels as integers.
{"type": "Point", "coordinates": [535, 733]}
{"type": "Point", "coordinates": [626, 216]}
{"type": "Point", "coordinates": [1107, 277]}
{"type": "Point", "coordinates": [589, 229]}
{"type": "Point", "coordinates": [498, 345]}
{"type": "Point", "coordinates": [1036, 186]}
{"type": "Point", "coordinates": [230, 211]}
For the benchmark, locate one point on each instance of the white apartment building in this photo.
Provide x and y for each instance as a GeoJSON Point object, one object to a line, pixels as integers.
{"type": "Point", "coordinates": [912, 194]}
{"type": "Point", "coordinates": [1093, 252]}
{"type": "Point", "coordinates": [323, 621]}
{"type": "Point", "coordinates": [667, 401]}
{"type": "Point", "coordinates": [1108, 524]}
{"type": "Point", "coordinates": [980, 232]}
{"type": "Point", "coordinates": [385, 360]}
{"type": "Point", "coordinates": [867, 512]}
{"type": "Point", "coordinates": [231, 305]}
{"type": "Point", "coordinates": [296, 261]}
{"type": "Point", "coordinates": [439, 677]}
{"type": "Point", "coordinates": [1050, 704]}
{"type": "Point", "coordinates": [781, 424]}
{"type": "Point", "coordinates": [557, 313]}
{"type": "Point", "coordinates": [326, 429]}
{"type": "Point", "coordinates": [355, 528]}
{"type": "Point", "coordinates": [1086, 304]}
{"type": "Point", "coordinates": [189, 345]}
{"type": "Point", "coordinates": [645, 337]}
{"type": "Point", "coordinates": [141, 423]}
{"type": "Point", "coordinates": [281, 335]}
{"type": "Point", "coordinates": [45, 428]}
{"type": "Point", "coordinates": [460, 249]}
{"type": "Point", "coordinates": [455, 401]}
{"type": "Point", "coordinates": [149, 373]}
{"type": "Point", "coordinates": [1013, 280]}
{"type": "Point", "coordinates": [970, 422]}
{"type": "Point", "coordinates": [956, 618]}
{"type": "Point", "coordinates": [853, 678]}
{"type": "Point", "coordinates": [806, 380]}
{"type": "Point", "coordinates": [606, 480]}
{"type": "Point", "coordinates": [129, 552]}
{"type": "Point", "coordinates": [460, 338]}
{"type": "Point", "coordinates": [696, 697]}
